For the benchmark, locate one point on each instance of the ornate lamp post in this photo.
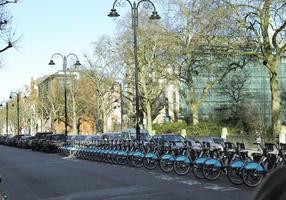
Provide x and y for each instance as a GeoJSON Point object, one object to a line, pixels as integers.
{"type": "Point", "coordinates": [6, 114]}
{"type": "Point", "coordinates": [18, 107]}
{"type": "Point", "coordinates": [77, 63]}
{"type": "Point", "coordinates": [134, 15]}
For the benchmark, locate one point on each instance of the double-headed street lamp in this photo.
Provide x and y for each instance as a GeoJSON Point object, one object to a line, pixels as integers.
{"type": "Point", "coordinates": [77, 63]}
{"type": "Point", "coordinates": [18, 107]}
{"type": "Point", "coordinates": [6, 114]}
{"type": "Point", "coordinates": [134, 15]}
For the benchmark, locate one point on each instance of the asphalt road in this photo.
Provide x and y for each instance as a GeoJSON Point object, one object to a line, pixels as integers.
{"type": "Point", "coordinates": [37, 175]}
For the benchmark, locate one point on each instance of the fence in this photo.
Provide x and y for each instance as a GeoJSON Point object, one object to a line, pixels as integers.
{"type": "Point", "coordinates": [248, 140]}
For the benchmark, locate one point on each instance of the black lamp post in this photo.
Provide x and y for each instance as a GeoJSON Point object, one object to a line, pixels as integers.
{"type": "Point", "coordinates": [77, 63]}
{"type": "Point", "coordinates": [134, 15]}
{"type": "Point", "coordinates": [6, 114]}
{"type": "Point", "coordinates": [18, 108]}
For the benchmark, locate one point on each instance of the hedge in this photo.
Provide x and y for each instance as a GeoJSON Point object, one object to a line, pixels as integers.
{"type": "Point", "coordinates": [202, 128]}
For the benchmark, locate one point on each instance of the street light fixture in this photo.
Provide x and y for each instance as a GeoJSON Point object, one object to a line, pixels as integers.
{"type": "Point", "coordinates": [6, 114]}
{"type": "Point", "coordinates": [77, 63]}
{"type": "Point", "coordinates": [134, 15]}
{"type": "Point", "coordinates": [18, 107]}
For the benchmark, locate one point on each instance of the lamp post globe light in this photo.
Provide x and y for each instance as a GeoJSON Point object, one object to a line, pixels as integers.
{"type": "Point", "coordinates": [18, 108]}
{"type": "Point", "coordinates": [65, 59]}
{"type": "Point", "coordinates": [134, 14]}
{"type": "Point", "coordinates": [6, 115]}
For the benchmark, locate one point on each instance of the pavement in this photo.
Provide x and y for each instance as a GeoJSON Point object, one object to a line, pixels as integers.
{"type": "Point", "coordinates": [40, 176]}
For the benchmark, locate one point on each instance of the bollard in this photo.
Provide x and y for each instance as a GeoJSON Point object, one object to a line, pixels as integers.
{"type": "Point", "coordinates": [282, 134]}
{"type": "Point", "coordinates": [183, 133]}
{"type": "Point", "coordinates": [224, 133]}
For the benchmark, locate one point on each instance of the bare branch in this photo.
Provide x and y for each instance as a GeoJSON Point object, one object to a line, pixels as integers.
{"type": "Point", "coordinates": [7, 2]}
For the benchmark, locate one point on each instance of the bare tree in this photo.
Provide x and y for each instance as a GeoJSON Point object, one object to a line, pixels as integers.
{"type": "Point", "coordinates": [102, 73]}
{"type": "Point", "coordinates": [7, 36]}
{"type": "Point", "coordinates": [264, 23]}
{"type": "Point", "coordinates": [200, 61]}
{"type": "Point", "coordinates": [235, 91]}
{"type": "Point", "coordinates": [152, 65]}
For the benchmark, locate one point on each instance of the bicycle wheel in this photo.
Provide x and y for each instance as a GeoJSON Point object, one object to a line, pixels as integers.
{"type": "Point", "coordinates": [129, 160]}
{"type": "Point", "coordinates": [211, 171]}
{"type": "Point", "coordinates": [121, 160]}
{"type": "Point", "coordinates": [198, 167]}
{"type": "Point", "coordinates": [234, 172]}
{"type": "Point", "coordinates": [252, 177]}
{"type": "Point", "coordinates": [167, 165]}
{"type": "Point", "coordinates": [150, 163]}
{"type": "Point", "coordinates": [113, 159]}
{"type": "Point", "coordinates": [181, 167]}
{"type": "Point", "coordinates": [137, 161]}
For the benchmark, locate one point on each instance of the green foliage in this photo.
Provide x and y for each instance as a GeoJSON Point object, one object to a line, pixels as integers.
{"type": "Point", "coordinates": [170, 127]}
{"type": "Point", "coordinates": [203, 128]}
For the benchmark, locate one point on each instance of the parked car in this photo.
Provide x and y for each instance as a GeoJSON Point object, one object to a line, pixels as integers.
{"type": "Point", "coordinates": [77, 140]}
{"type": "Point", "coordinates": [52, 142]}
{"type": "Point", "coordinates": [90, 140]}
{"type": "Point", "coordinates": [26, 142]}
{"type": "Point", "coordinates": [165, 139]}
{"type": "Point", "coordinates": [215, 142]}
{"type": "Point", "coordinates": [111, 136]}
{"type": "Point", "coordinates": [38, 140]}
{"type": "Point", "coordinates": [8, 140]}
{"type": "Point", "coordinates": [15, 140]}
{"type": "Point", "coordinates": [195, 145]}
{"type": "Point", "coordinates": [130, 134]}
{"type": "Point", "coordinates": [3, 138]}
{"type": "Point", "coordinates": [68, 142]}
{"type": "Point", "coordinates": [176, 141]}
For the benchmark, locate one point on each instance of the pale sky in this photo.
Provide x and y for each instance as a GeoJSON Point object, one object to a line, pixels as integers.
{"type": "Point", "coordinates": [52, 26]}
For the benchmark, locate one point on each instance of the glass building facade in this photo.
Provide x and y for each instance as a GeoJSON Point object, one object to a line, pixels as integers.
{"type": "Point", "coordinates": [257, 86]}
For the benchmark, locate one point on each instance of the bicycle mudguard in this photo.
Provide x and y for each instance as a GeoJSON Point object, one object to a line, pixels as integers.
{"type": "Point", "coordinates": [122, 153]}
{"type": "Point", "coordinates": [138, 154]}
{"type": "Point", "coordinates": [167, 157]}
{"type": "Point", "coordinates": [73, 148]}
{"type": "Point", "coordinates": [213, 161]}
{"type": "Point", "coordinates": [237, 164]}
{"type": "Point", "coordinates": [183, 158]}
{"type": "Point", "coordinates": [200, 160]}
{"type": "Point", "coordinates": [254, 165]}
{"type": "Point", "coordinates": [106, 151]}
{"type": "Point", "coordinates": [131, 153]}
{"type": "Point", "coordinates": [115, 152]}
{"type": "Point", "coordinates": [151, 155]}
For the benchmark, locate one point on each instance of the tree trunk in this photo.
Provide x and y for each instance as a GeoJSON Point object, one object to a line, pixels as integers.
{"type": "Point", "coordinates": [104, 117]}
{"type": "Point", "coordinates": [57, 126]}
{"type": "Point", "coordinates": [195, 114]}
{"type": "Point", "coordinates": [42, 123]}
{"type": "Point", "coordinates": [74, 117]}
{"type": "Point", "coordinates": [275, 103]}
{"type": "Point", "coordinates": [149, 117]}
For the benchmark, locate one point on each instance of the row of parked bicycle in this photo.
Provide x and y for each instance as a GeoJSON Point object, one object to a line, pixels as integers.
{"type": "Point", "coordinates": [208, 158]}
{"type": "Point", "coordinates": [203, 161]}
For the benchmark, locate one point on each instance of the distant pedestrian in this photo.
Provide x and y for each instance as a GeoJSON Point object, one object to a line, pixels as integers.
{"type": "Point", "coordinates": [258, 137]}
{"type": "Point", "coordinates": [273, 187]}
